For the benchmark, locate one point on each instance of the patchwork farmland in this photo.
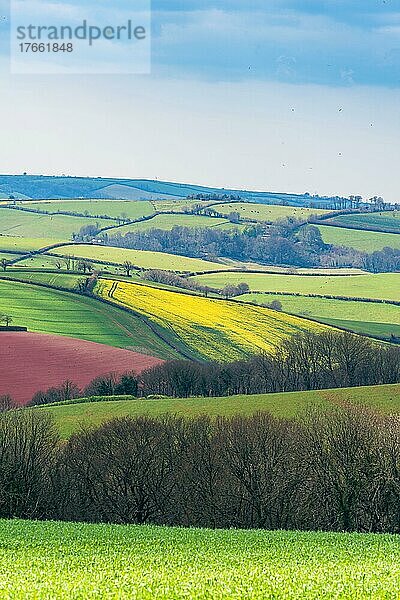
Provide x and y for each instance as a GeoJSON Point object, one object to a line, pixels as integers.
{"type": "Point", "coordinates": [32, 225]}
{"type": "Point", "coordinates": [186, 336]}
{"type": "Point", "coordinates": [382, 321]}
{"type": "Point", "coordinates": [211, 328]}
{"type": "Point", "coordinates": [200, 385]}
{"type": "Point", "coordinates": [94, 208]}
{"type": "Point", "coordinates": [267, 213]}
{"type": "Point", "coordinates": [379, 220]}
{"type": "Point", "coordinates": [46, 310]}
{"type": "Point", "coordinates": [37, 262]}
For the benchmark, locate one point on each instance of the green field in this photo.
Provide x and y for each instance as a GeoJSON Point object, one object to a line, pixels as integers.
{"type": "Point", "coordinates": [47, 262]}
{"type": "Point", "coordinates": [140, 258]}
{"type": "Point", "coordinates": [169, 221]}
{"type": "Point", "coordinates": [51, 311]}
{"type": "Point", "coordinates": [367, 241]}
{"type": "Point", "coordinates": [389, 219]}
{"type": "Point", "coordinates": [267, 212]}
{"type": "Point", "coordinates": [177, 205]}
{"type": "Point", "coordinates": [7, 256]}
{"type": "Point", "coordinates": [24, 244]}
{"type": "Point", "coordinates": [111, 208]}
{"type": "Point", "coordinates": [159, 260]}
{"type": "Point", "coordinates": [378, 319]}
{"type": "Point", "coordinates": [69, 417]}
{"type": "Point", "coordinates": [384, 331]}
{"type": "Point", "coordinates": [227, 226]}
{"type": "Point", "coordinates": [38, 261]}
{"type": "Point", "coordinates": [32, 225]}
{"type": "Point", "coordinates": [62, 560]}
{"type": "Point", "coordinates": [65, 280]}
{"type": "Point", "coordinates": [381, 286]}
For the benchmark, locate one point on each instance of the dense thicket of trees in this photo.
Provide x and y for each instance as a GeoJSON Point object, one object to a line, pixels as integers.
{"type": "Point", "coordinates": [307, 361]}
{"type": "Point", "coordinates": [335, 469]}
{"type": "Point", "coordinates": [380, 261]}
{"type": "Point", "coordinates": [284, 243]}
{"type": "Point", "coordinates": [279, 247]}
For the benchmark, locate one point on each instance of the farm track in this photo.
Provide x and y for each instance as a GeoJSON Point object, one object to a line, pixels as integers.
{"type": "Point", "coordinates": [145, 321]}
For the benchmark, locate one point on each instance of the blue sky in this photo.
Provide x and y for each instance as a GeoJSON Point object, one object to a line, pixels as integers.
{"type": "Point", "coordinates": [288, 95]}
{"type": "Point", "coordinates": [334, 42]}
{"type": "Point", "coordinates": [331, 42]}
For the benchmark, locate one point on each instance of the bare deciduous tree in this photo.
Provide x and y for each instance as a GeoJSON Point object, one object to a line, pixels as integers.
{"type": "Point", "coordinates": [128, 267]}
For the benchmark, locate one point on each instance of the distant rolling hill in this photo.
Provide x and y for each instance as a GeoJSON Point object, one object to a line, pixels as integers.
{"type": "Point", "coordinates": [41, 187]}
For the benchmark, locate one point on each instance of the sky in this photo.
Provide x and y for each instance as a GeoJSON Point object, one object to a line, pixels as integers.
{"type": "Point", "coordinates": [280, 95]}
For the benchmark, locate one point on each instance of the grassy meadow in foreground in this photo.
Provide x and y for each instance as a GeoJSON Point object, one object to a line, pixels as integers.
{"type": "Point", "coordinates": [69, 417]}
{"type": "Point", "coordinates": [61, 560]}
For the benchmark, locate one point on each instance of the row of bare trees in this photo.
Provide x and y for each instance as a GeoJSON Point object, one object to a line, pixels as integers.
{"type": "Point", "coordinates": [335, 469]}
{"type": "Point", "coordinates": [307, 361]}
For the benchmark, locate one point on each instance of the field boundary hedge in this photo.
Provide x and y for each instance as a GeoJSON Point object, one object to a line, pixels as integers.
{"type": "Point", "coordinates": [269, 272]}
{"type": "Point", "coordinates": [329, 297]}
{"type": "Point", "coordinates": [87, 400]}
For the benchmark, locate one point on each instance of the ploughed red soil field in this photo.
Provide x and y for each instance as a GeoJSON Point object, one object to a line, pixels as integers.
{"type": "Point", "coordinates": [30, 362]}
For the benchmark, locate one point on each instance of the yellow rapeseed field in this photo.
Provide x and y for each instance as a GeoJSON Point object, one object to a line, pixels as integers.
{"type": "Point", "coordinates": [215, 329]}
